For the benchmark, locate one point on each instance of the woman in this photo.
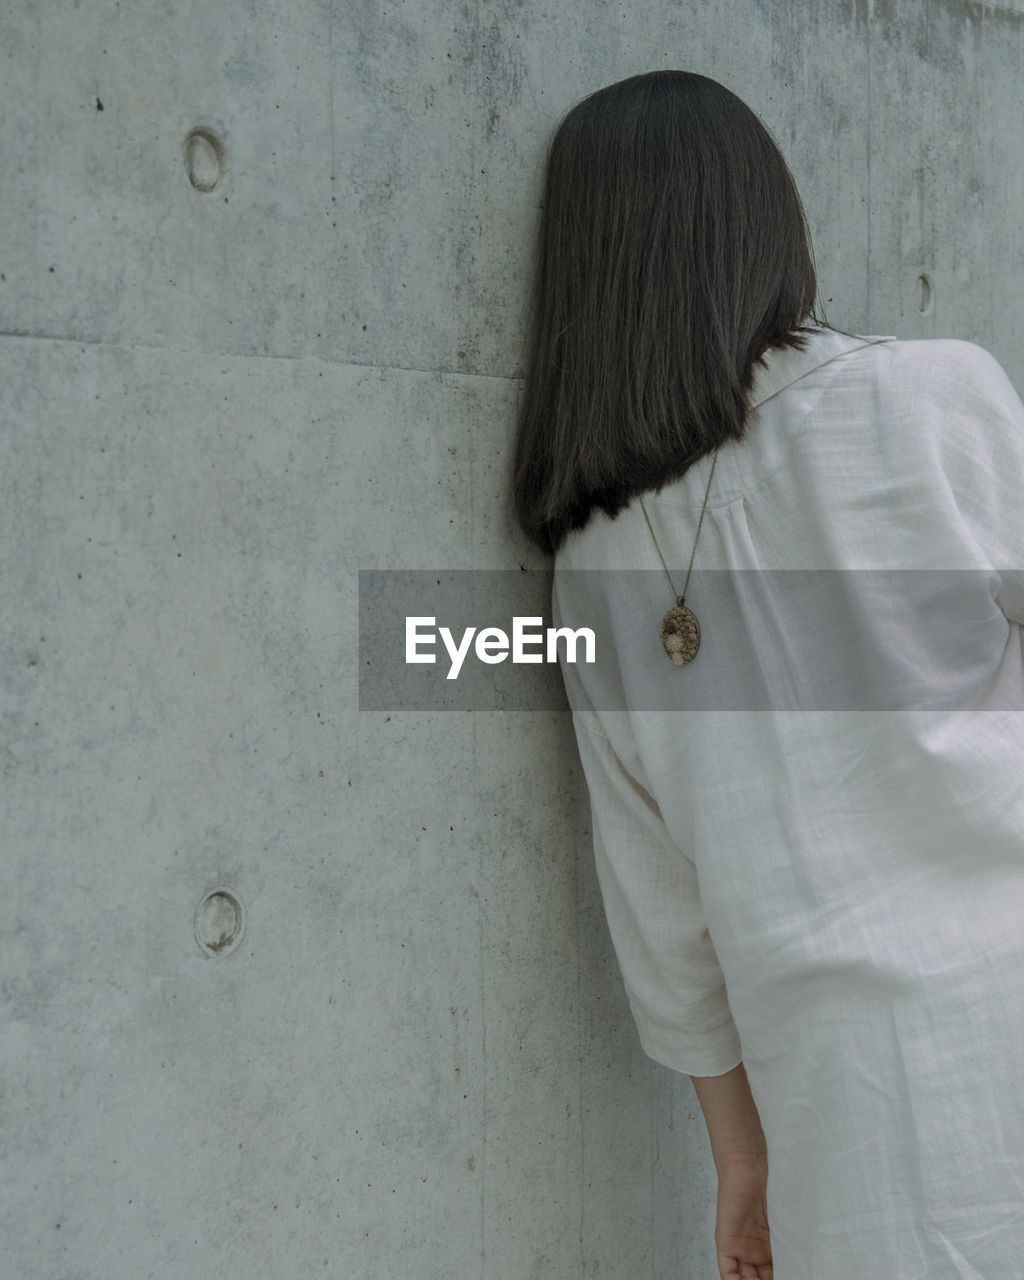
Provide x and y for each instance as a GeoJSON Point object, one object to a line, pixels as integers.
{"type": "Point", "coordinates": [809, 824]}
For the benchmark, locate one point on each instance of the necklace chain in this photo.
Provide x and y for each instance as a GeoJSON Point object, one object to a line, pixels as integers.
{"type": "Point", "coordinates": [704, 508]}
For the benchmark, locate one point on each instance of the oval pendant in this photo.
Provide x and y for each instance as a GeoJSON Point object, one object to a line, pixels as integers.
{"type": "Point", "coordinates": [680, 634]}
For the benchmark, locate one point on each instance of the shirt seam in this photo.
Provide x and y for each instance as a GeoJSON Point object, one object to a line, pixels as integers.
{"type": "Point", "coordinates": [728, 1023]}
{"type": "Point", "coordinates": [594, 733]}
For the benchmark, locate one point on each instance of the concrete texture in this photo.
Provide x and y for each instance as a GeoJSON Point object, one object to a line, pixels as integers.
{"type": "Point", "coordinates": [234, 371]}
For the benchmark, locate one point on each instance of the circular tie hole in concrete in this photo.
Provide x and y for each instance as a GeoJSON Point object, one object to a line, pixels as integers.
{"type": "Point", "coordinates": [220, 919]}
{"type": "Point", "coordinates": [205, 159]}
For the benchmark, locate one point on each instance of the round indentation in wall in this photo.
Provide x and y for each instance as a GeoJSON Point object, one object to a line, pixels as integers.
{"type": "Point", "coordinates": [925, 293]}
{"type": "Point", "coordinates": [220, 919]}
{"type": "Point", "coordinates": [205, 159]}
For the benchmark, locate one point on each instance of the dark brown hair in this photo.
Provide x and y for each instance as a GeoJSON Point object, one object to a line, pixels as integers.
{"type": "Point", "coordinates": [673, 253]}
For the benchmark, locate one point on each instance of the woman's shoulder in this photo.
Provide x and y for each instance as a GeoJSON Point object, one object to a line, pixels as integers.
{"type": "Point", "coordinates": [945, 359]}
{"type": "Point", "coordinates": [923, 378]}
{"type": "Point", "coordinates": [961, 381]}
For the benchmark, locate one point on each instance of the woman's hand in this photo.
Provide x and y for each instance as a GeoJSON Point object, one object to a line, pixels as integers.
{"type": "Point", "coordinates": [740, 1153]}
{"type": "Point", "coordinates": [741, 1231]}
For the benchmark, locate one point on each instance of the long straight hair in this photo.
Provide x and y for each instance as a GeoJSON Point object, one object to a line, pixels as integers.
{"type": "Point", "coordinates": [673, 253]}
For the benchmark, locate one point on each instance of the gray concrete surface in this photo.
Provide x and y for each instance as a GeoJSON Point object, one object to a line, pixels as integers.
{"type": "Point", "coordinates": [233, 372]}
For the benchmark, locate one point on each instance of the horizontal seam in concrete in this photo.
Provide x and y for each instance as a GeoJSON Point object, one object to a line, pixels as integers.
{"type": "Point", "coordinates": [989, 6]}
{"type": "Point", "coordinates": [252, 355]}
{"type": "Point", "coordinates": [1001, 8]}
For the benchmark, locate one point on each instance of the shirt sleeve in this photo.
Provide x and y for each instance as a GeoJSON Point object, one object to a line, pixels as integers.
{"type": "Point", "coordinates": [671, 973]}
{"type": "Point", "coordinates": [980, 425]}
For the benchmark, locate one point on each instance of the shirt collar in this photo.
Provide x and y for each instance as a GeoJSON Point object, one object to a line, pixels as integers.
{"type": "Point", "coordinates": [780, 366]}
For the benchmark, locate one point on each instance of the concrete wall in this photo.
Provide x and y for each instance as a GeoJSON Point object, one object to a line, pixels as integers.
{"type": "Point", "coordinates": [234, 371]}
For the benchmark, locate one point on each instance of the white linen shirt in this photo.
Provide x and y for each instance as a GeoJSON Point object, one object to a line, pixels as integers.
{"type": "Point", "coordinates": [816, 872]}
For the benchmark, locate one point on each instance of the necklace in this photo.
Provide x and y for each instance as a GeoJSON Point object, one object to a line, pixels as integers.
{"type": "Point", "coordinates": [680, 630]}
